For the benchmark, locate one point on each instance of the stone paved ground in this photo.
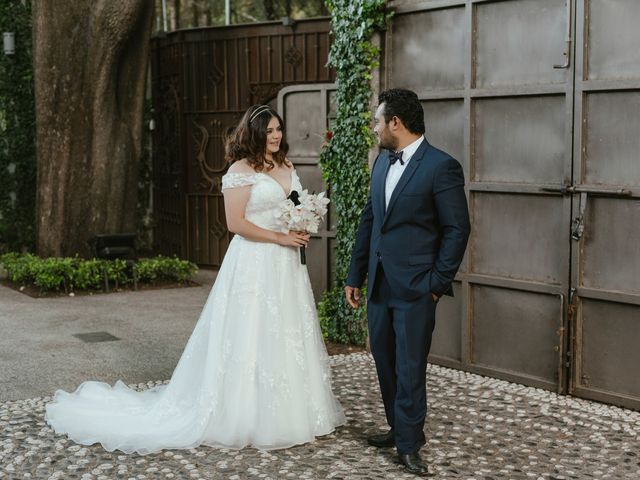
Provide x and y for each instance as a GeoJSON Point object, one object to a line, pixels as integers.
{"type": "Point", "coordinates": [478, 428]}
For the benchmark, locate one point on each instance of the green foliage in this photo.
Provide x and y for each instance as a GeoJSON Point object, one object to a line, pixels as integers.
{"type": "Point", "coordinates": [88, 274]}
{"type": "Point", "coordinates": [200, 13]}
{"type": "Point", "coordinates": [150, 270]}
{"type": "Point", "coordinates": [75, 274]}
{"type": "Point", "coordinates": [344, 159]}
{"type": "Point", "coordinates": [17, 132]}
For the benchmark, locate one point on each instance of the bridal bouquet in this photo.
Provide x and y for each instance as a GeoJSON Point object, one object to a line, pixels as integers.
{"type": "Point", "coordinates": [303, 212]}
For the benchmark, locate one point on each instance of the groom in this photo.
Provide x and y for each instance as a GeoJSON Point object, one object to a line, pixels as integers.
{"type": "Point", "coordinates": [411, 239]}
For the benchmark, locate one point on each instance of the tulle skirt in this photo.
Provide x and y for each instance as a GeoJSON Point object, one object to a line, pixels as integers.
{"type": "Point", "coordinates": [255, 371]}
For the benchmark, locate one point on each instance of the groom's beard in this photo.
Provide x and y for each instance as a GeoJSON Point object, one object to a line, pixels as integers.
{"type": "Point", "coordinates": [386, 140]}
{"type": "Point", "coordinates": [387, 144]}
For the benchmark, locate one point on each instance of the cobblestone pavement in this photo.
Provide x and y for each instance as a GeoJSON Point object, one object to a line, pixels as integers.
{"type": "Point", "coordinates": [478, 428]}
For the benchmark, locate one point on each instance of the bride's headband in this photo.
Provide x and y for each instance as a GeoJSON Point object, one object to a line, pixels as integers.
{"type": "Point", "coordinates": [258, 111]}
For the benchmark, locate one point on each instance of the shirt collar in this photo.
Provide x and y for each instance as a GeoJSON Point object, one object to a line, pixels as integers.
{"type": "Point", "coordinates": [409, 150]}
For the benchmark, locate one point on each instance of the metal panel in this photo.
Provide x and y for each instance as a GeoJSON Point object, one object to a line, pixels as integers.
{"type": "Point", "coordinates": [611, 138]}
{"type": "Point", "coordinates": [518, 42]}
{"type": "Point", "coordinates": [444, 120]}
{"type": "Point", "coordinates": [510, 243]}
{"type": "Point", "coordinates": [317, 266]}
{"type": "Point", "coordinates": [519, 139]}
{"type": "Point", "coordinates": [610, 260]}
{"type": "Point", "coordinates": [426, 50]}
{"type": "Point", "coordinates": [445, 123]}
{"type": "Point", "coordinates": [306, 111]}
{"type": "Point", "coordinates": [520, 143]}
{"type": "Point", "coordinates": [606, 214]}
{"type": "Point", "coordinates": [612, 29]}
{"type": "Point", "coordinates": [305, 123]}
{"type": "Point", "coordinates": [311, 179]}
{"type": "Point", "coordinates": [608, 336]}
{"type": "Point", "coordinates": [446, 346]}
{"type": "Point", "coordinates": [527, 320]}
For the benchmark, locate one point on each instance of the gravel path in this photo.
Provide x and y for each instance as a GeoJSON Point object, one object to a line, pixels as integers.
{"type": "Point", "coordinates": [478, 428]}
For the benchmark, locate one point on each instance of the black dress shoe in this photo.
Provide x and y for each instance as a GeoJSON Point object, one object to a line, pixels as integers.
{"type": "Point", "coordinates": [382, 440]}
{"type": "Point", "coordinates": [413, 464]}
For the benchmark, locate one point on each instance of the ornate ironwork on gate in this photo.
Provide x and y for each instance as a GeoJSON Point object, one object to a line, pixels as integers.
{"type": "Point", "coordinates": [202, 82]}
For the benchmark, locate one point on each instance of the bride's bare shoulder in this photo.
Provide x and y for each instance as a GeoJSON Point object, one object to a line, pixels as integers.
{"type": "Point", "coordinates": [241, 166]}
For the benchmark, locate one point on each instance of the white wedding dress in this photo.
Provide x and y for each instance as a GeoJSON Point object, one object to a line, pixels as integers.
{"type": "Point", "coordinates": [255, 371]}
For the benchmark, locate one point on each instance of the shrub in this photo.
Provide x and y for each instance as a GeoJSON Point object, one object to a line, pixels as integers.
{"type": "Point", "coordinates": [74, 274]}
{"type": "Point", "coordinates": [165, 268]}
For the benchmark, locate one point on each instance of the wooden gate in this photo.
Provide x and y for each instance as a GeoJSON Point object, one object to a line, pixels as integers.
{"type": "Point", "coordinates": [539, 101]}
{"type": "Point", "coordinates": [202, 81]}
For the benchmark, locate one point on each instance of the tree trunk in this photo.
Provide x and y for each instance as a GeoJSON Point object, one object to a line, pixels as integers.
{"type": "Point", "coordinates": [270, 9]}
{"type": "Point", "coordinates": [176, 9]}
{"type": "Point", "coordinates": [195, 11]}
{"type": "Point", "coordinates": [90, 65]}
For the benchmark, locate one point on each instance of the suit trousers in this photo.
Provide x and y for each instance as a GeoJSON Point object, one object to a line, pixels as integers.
{"type": "Point", "coordinates": [400, 337]}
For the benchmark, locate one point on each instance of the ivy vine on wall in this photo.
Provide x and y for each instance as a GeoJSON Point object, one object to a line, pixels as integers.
{"type": "Point", "coordinates": [344, 160]}
{"type": "Point", "coordinates": [17, 132]}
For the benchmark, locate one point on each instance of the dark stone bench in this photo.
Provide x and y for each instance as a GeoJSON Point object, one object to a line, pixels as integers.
{"type": "Point", "coordinates": [112, 246]}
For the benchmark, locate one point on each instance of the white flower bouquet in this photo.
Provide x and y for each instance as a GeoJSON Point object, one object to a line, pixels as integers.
{"type": "Point", "coordinates": [303, 212]}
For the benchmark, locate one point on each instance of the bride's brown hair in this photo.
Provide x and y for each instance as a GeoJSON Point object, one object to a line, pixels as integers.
{"type": "Point", "coordinates": [249, 140]}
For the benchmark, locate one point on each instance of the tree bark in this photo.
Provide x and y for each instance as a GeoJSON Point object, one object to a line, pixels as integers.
{"type": "Point", "coordinates": [270, 9]}
{"type": "Point", "coordinates": [195, 11]}
{"type": "Point", "coordinates": [176, 9]}
{"type": "Point", "coordinates": [90, 65]}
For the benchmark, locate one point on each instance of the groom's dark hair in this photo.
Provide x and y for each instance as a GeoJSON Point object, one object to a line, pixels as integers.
{"type": "Point", "coordinates": [404, 104]}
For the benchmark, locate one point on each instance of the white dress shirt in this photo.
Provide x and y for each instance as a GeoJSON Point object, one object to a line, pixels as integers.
{"type": "Point", "coordinates": [397, 169]}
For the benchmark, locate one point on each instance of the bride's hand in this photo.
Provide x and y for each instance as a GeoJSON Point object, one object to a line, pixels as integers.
{"type": "Point", "coordinates": [293, 239]}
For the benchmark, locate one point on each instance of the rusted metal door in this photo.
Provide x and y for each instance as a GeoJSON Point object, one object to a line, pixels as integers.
{"type": "Point", "coordinates": [540, 101]}
{"type": "Point", "coordinates": [308, 112]}
{"type": "Point", "coordinates": [213, 75]}
{"type": "Point", "coordinates": [498, 96]}
{"type": "Point", "coordinates": [606, 209]}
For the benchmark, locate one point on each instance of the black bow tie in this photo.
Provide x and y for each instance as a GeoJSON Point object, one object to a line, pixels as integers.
{"type": "Point", "coordinates": [395, 157]}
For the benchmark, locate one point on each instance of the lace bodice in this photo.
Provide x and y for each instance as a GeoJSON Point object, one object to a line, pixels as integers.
{"type": "Point", "coordinates": [265, 199]}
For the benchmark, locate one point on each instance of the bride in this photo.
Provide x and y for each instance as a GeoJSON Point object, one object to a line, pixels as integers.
{"type": "Point", "coordinates": [255, 371]}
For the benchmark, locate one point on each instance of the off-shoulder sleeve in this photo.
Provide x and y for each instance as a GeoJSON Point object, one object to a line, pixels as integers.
{"type": "Point", "coordinates": [235, 180]}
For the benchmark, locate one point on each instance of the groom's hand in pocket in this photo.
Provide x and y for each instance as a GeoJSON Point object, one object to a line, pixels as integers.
{"type": "Point", "coordinates": [353, 296]}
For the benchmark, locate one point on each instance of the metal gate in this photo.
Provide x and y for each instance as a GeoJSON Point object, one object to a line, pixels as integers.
{"type": "Point", "coordinates": [203, 81]}
{"type": "Point", "coordinates": [539, 100]}
{"type": "Point", "coordinates": [606, 209]}
{"type": "Point", "coordinates": [308, 111]}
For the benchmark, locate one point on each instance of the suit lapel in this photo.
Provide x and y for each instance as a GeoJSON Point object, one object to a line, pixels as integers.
{"type": "Point", "coordinates": [383, 184]}
{"type": "Point", "coordinates": [405, 177]}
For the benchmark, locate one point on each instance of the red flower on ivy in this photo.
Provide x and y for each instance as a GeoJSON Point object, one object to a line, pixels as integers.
{"type": "Point", "coordinates": [328, 135]}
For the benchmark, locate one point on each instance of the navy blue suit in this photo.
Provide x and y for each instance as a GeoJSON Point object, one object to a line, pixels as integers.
{"type": "Point", "coordinates": [409, 250]}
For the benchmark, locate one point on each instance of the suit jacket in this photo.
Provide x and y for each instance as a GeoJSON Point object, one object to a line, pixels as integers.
{"type": "Point", "coordinates": [421, 237]}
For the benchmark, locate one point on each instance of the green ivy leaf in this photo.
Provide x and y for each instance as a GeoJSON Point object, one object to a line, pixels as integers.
{"type": "Point", "coordinates": [344, 162]}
